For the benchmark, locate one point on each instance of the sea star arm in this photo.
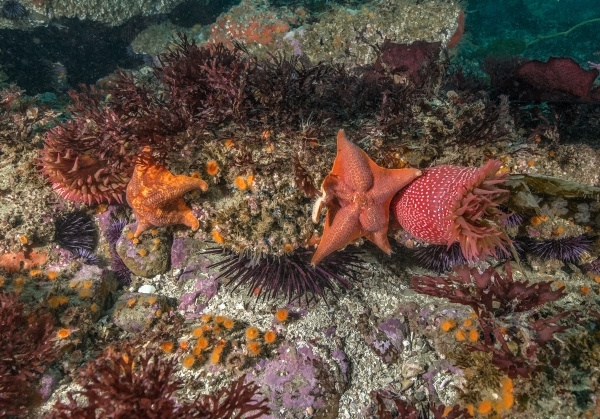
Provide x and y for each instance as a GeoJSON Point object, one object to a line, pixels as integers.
{"type": "Point", "coordinates": [175, 188]}
{"type": "Point", "coordinates": [341, 227]}
{"type": "Point", "coordinates": [391, 181]}
{"type": "Point", "coordinates": [380, 238]}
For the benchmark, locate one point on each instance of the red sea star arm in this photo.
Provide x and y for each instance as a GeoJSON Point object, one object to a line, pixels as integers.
{"type": "Point", "coordinates": [352, 164]}
{"type": "Point", "coordinates": [341, 227]}
{"type": "Point", "coordinates": [380, 238]}
{"type": "Point", "coordinates": [388, 182]}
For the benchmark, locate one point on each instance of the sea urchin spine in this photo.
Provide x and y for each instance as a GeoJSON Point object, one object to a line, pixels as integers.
{"type": "Point", "coordinates": [12, 9]}
{"type": "Point", "coordinates": [451, 204]}
{"type": "Point", "coordinates": [440, 258]}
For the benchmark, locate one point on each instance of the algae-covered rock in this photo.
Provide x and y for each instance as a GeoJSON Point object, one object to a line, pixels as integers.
{"type": "Point", "coordinates": [134, 312]}
{"type": "Point", "coordinates": [147, 255]}
{"type": "Point", "coordinates": [110, 12]}
{"type": "Point", "coordinates": [93, 287]}
{"type": "Point", "coordinates": [526, 190]}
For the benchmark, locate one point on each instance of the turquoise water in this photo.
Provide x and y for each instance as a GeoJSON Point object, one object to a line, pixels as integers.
{"type": "Point", "coordinates": [534, 29]}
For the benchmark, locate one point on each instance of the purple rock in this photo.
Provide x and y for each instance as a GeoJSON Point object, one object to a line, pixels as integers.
{"type": "Point", "coordinates": [208, 287]}
{"type": "Point", "coordinates": [178, 254]}
{"type": "Point", "coordinates": [394, 329]}
{"type": "Point", "coordinates": [187, 256]}
{"type": "Point", "coordinates": [340, 357]}
{"type": "Point", "coordinates": [194, 302]}
{"type": "Point", "coordinates": [48, 384]}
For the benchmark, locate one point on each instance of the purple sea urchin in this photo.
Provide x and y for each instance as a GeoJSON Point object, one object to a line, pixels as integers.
{"type": "Point", "coordinates": [114, 230]}
{"type": "Point", "coordinates": [75, 232]}
{"type": "Point", "coordinates": [291, 275]}
{"type": "Point", "coordinates": [593, 267]}
{"type": "Point", "coordinates": [567, 249]}
{"type": "Point", "coordinates": [90, 257]}
{"type": "Point", "coordinates": [439, 257]}
{"type": "Point", "coordinates": [119, 268]}
{"type": "Point", "coordinates": [514, 219]}
{"type": "Point", "coordinates": [12, 9]}
{"type": "Point", "coordinates": [113, 233]}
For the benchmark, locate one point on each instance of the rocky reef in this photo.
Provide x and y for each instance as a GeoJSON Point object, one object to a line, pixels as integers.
{"type": "Point", "coordinates": [158, 229]}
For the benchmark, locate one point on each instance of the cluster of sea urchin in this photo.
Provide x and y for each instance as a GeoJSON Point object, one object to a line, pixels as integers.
{"type": "Point", "coordinates": [290, 275]}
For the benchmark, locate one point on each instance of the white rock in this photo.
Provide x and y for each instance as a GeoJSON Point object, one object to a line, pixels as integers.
{"type": "Point", "coordinates": [147, 289]}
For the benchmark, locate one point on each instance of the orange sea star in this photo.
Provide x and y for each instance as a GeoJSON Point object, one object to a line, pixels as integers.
{"type": "Point", "coordinates": [156, 197]}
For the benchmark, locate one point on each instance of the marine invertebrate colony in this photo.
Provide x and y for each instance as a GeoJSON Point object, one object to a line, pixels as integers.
{"type": "Point", "coordinates": [357, 193]}
{"type": "Point", "coordinates": [155, 195]}
{"type": "Point", "coordinates": [456, 204]}
{"type": "Point", "coordinates": [90, 158]}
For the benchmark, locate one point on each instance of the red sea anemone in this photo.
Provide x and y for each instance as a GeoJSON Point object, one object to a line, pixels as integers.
{"type": "Point", "coordinates": [451, 204]}
{"type": "Point", "coordinates": [75, 169]}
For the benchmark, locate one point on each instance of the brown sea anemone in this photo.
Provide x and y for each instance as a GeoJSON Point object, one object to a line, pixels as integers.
{"type": "Point", "coordinates": [75, 173]}
{"type": "Point", "coordinates": [451, 204]}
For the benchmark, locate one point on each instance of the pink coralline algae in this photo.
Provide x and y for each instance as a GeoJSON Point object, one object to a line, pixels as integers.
{"type": "Point", "coordinates": [451, 204]}
{"type": "Point", "coordinates": [194, 302]}
{"type": "Point", "coordinates": [298, 379]}
{"type": "Point", "coordinates": [251, 25]}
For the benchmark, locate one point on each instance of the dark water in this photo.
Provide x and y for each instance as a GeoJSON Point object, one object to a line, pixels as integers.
{"type": "Point", "coordinates": [66, 52]}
